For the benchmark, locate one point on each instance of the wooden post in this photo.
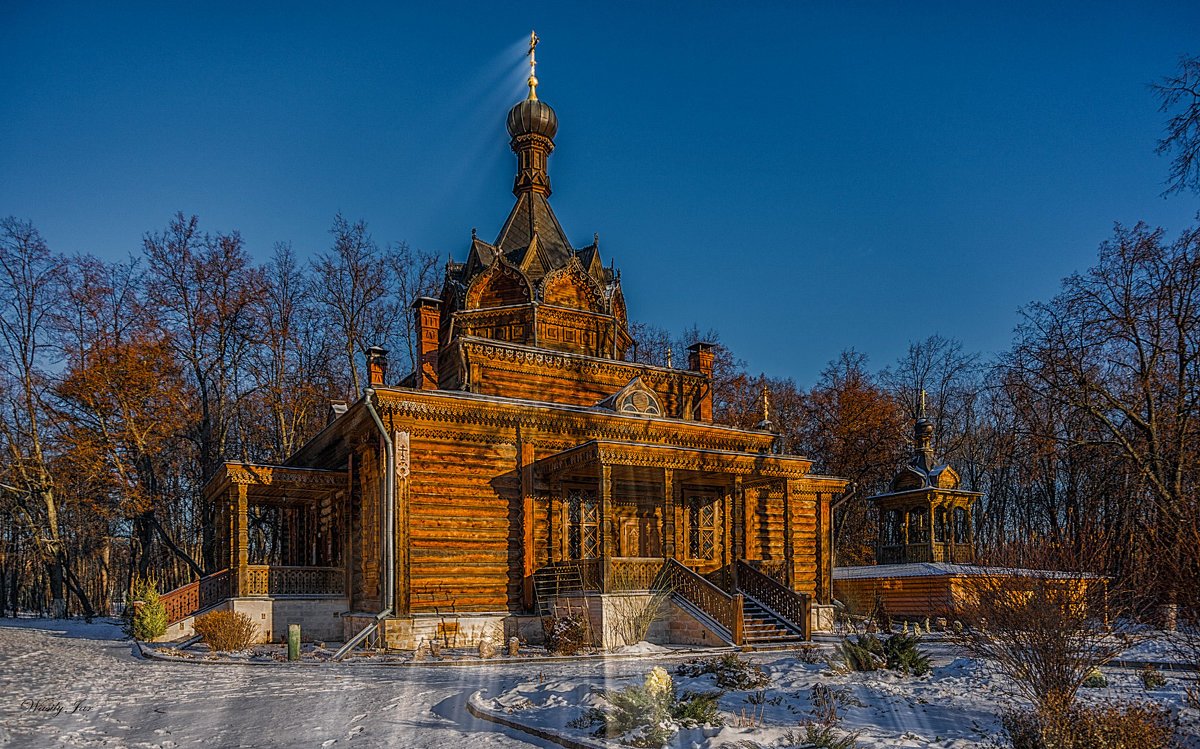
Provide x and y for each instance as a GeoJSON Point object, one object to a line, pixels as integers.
{"type": "Point", "coordinates": [825, 548]}
{"type": "Point", "coordinates": [241, 544]}
{"type": "Point", "coordinates": [293, 642]}
{"type": "Point", "coordinates": [739, 619]}
{"type": "Point", "coordinates": [606, 521]}
{"type": "Point", "coordinates": [791, 496]}
{"type": "Point", "coordinates": [556, 522]}
{"type": "Point", "coordinates": [669, 551]}
{"type": "Point", "coordinates": [528, 563]}
{"type": "Point", "coordinates": [739, 519]}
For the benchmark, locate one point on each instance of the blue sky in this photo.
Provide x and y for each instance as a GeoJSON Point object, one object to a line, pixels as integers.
{"type": "Point", "coordinates": [802, 177]}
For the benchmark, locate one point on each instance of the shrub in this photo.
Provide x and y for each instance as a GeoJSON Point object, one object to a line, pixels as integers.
{"type": "Point", "coordinates": [821, 737]}
{"type": "Point", "coordinates": [567, 634]}
{"type": "Point", "coordinates": [864, 653]}
{"type": "Point", "coordinates": [225, 630]}
{"type": "Point", "coordinates": [728, 671]}
{"type": "Point", "coordinates": [1095, 680]}
{"type": "Point", "coordinates": [649, 715]}
{"type": "Point", "coordinates": [903, 655]}
{"type": "Point", "coordinates": [149, 620]}
{"type": "Point", "coordinates": [1152, 678]}
{"type": "Point", "coordinates": [1110, 726]}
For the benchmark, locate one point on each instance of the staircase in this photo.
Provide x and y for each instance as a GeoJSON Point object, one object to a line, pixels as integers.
{"type": "Point", "coordinates": [762, 628]}
{"type": "Point", "coordinates": [552, 581]}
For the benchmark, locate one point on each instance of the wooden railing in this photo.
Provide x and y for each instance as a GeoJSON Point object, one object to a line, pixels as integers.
{"type": "Point", "coordinates": [721, 607]}
{"type": "Point", "coordinates": [905, 553]}
{"type": "Point", "coordinates": [197, 596]}
{"type": "Point", "coordinates": [632, 573]}
{"type": "Point", "coordinates": [263, 580]}
{"type": "Point", "coordinates": [776, 569]}
{"type": "Point", "coordinates": [784, 602]}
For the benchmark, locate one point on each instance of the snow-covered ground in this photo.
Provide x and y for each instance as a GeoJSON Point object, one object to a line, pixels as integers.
{"type": "Point", "coordinates": [66, 683]}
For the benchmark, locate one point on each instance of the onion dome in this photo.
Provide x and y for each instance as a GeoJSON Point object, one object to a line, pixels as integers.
{"type": "Point", "coordinates": [532, 117]}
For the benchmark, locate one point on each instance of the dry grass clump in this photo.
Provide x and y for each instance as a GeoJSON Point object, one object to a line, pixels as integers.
{"type": "Point", "coordinates": [1111, 726]}
{"type": "Point", "coordinates": [225, 630]}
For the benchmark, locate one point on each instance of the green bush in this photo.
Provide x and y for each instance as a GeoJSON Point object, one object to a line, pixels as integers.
{"type": "Point", "coordinates": [903, 655]}
{"type": "Point", "coordinates": [149, 618]}
{"type": "Point", "coordinates": [728, 671]}
{"type": "Point", "coordinates": [649, 715]}
{"type": "Point", "coordinates": [821, 737]}
{"type": "Point", "coordinates": [1152, 678]}
{"type": "Point", "coordinates": [864, 653]}
{"type": "Point", "coordinates": [1095, 680]}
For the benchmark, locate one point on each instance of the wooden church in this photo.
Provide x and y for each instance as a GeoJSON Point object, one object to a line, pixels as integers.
{"type": "Point", "coordinates": [526, 461]}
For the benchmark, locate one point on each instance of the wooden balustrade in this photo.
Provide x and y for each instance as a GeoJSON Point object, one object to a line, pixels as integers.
{"type": "Point", "coordinates": [721, 607]}
{"type": "Point", "coordinates": [196, 596]}
{"type": "Point", "coordinates": [264, 580]}
{"type": "Point", "coordinates": [776, 569]}
{"type": "Point", "coordinates": [633, 573]}
{"type": "Point", "coordinates": [784, 602]}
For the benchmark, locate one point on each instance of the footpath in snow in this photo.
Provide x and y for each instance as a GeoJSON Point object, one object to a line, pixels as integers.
{"type": "Point", "coordinates": [67, 683]}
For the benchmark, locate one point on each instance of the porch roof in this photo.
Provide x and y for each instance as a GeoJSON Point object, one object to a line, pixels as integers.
{"type": "Point", "coordinates": [582, 459]}
{"type": "Point", "coordinates": [272, 484]}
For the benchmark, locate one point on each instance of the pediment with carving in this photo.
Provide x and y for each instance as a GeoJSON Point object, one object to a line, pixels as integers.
{"type": "Point", "coordinates": [636, 398]}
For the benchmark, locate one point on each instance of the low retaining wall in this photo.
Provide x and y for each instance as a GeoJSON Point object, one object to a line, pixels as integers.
{"type": "Point", "coordinates": [319, 618]}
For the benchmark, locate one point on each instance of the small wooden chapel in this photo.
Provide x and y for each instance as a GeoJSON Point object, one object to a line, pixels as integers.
{"type": "Point", "coordinates": [526, 462]}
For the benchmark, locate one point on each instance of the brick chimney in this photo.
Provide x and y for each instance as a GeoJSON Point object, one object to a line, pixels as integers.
{"type": "Point", "coordinates": [427, 312]}
{"type": "Point", "coordinates": [700, 359]}
{"type": "Point", "coordinates": [377, 361]}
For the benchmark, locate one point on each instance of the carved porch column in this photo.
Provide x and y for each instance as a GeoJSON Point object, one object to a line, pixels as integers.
{"type": "Point", "coordinates": [791, 496]}
{"type": "Point", "coordinates": [669, 514]}
{"type": "Point", "coordinates": [240, 542]}
{"type": "Point", "coordinates": [557, 521]}
{"type": "Point", "coordinates": [739, 519]}
{"type": "Point", "coordinates": [606, 524]}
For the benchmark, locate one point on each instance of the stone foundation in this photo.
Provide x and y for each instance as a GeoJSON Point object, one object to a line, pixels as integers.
{"type": "Point", "coordinates": [319, 619]}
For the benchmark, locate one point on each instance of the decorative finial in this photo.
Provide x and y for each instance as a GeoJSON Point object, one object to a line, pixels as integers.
{"type": "Point", "coordinates": [596, 239]}
{"type": "Point", "coordinates": [922, 404]}
{"type": "Point", "coordinates": [473, 229]}
{"type": "Point", "coordinates": [533, 81]}
{"type": "Point", "coordinates": [670, 364]}
{"type": "Point", "coordinates": [766, 400]}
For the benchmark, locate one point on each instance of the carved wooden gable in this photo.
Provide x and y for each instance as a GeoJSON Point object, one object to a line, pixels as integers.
{"type": "Point", "coordinates": [571, 286]}
{"type": "Point", "coordinates": [499, 285]}
{"type": "Point", "coordinates": [635, 398]}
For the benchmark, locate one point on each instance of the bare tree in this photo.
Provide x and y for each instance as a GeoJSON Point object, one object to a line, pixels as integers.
{"type": "Point", "coordinates": [29, 293]}
{"type": "Point", "coordinates": [354, 283]}
{"type": "Point", "coordinates": [1179, 95]}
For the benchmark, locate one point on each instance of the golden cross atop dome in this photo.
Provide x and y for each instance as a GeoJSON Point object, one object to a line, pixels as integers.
{"type": "Point", "coordinates": [533, 81]}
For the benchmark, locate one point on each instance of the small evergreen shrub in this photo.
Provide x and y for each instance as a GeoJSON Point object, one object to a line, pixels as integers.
{"type": "Point", "coordinates": [728, 671]}
{"type": "Point", "coordinates": [649, 715]}
{"type": "Point", "coordinates": [149, 620]}
{"type": "Point", "coordinates": [1095, 680]}
{"type": "Point", "coordinates": [1109, 726]}
{"type": "Point", "coordinates": [225, 630]}
{"type": "Point", "coordinates": [566, 634]}
{"type": "Point", "coordinates": [820, 737]}
{"type": "Point", "coordinates": [903, 655]}
{"type": "Point", "coordinates": [864, 653]}
{"type": "Point", "coordinates": [1152, 678]}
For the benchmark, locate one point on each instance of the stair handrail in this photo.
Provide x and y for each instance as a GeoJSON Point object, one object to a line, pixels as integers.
{"type": "Point", "coordinates": [721, 607]}
{"type": "Point", "coordinates": [196, 596]}
{"type": "Point", "coordinates": [792, 607]}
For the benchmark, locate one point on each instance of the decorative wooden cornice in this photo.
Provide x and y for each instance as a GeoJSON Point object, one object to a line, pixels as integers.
{"type": "Point", "coordinates": [276, 480]}
{"type": "Point", "coordinates": [650, 455]}
{"type": "Point", "coordinates": [519, 358]}
{"type": "Point", "coordinates": [475, 418]}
